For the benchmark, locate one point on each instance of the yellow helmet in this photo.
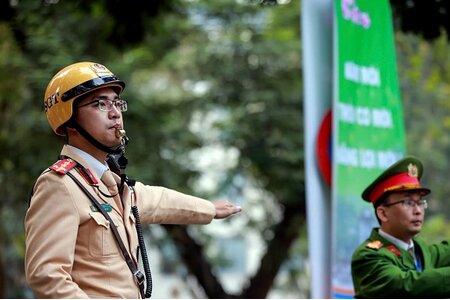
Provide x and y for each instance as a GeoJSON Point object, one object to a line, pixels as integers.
{"type": "Point", "coordinates": [70, 83]}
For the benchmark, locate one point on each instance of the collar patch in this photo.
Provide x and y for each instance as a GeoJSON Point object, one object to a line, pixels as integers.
{"type": "Point", "coordinates": [88, 176]}
{"type": "Point", "coordinates": [393, 249]}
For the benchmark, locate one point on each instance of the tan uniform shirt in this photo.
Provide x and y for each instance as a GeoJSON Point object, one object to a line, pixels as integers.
{"type": "Point", "coordinates": [70, 249]}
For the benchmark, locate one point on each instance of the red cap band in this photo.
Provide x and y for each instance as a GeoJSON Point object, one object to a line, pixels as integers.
{"type": "Point", "coordinates": [396, 182]}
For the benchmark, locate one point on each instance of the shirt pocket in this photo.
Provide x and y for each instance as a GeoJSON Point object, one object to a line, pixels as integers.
{"type": "Point", "coordinates": [102, 242]}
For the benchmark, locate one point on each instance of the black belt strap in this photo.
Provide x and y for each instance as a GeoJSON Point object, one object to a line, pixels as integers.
{"type": "Point", "coordinates": [134, 270]}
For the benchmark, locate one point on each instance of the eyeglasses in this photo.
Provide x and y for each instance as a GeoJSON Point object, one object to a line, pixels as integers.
{"type": "Point", "coordinates": [107, 105]}
{"type": "Point", "coordinates": [409, 203]}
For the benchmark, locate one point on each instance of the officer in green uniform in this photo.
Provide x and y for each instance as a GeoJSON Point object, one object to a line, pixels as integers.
{"type": "Point", "coordinates": [393, 262]}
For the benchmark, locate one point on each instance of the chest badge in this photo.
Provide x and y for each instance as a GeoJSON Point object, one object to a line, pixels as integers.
{"type": "Point", "coordinates": [106, 206]}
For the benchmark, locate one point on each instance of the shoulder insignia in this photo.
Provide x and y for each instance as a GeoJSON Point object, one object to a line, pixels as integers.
{"type": "Point", "coordinates": [374, 245]}
{"type": "Point", "coordinates": [393, 249]}
{"type": "Point", "coordinates": [63, 166]}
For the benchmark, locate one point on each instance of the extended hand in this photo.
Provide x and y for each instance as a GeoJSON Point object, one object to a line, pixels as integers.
{"type": "Point", "coordinates": [224, 209]}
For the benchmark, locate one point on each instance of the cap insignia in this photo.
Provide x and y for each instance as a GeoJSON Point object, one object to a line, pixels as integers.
{"type": "Point", "coordinates": [374, 245]}
{"type": "Point", "coordinates": [98, 68]}
{"type": "Point", "coordinates": [412, 170]}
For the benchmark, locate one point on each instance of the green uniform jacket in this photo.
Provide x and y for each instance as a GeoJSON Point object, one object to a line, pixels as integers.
{"type": "Point", "coordinates": [382, 270]}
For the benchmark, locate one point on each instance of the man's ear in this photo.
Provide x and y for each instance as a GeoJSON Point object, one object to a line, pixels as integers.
{"type": "Point", "coordinates": [381, 213]}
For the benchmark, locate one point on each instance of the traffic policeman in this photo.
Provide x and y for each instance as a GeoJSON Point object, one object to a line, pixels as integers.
{"type": "Point", "coordinates": [81, 226]}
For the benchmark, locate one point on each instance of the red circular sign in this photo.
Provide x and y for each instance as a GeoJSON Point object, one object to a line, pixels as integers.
{"type": "Point", "coordinates": [324, 148]}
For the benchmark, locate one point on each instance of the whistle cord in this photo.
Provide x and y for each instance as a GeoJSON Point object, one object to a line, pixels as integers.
{"type": "Point", "coordinates": [105, 194]}
{"type": "Point", "coordinates": [148, 273]}
{"type": "Point", "coordinates": [123, 161]}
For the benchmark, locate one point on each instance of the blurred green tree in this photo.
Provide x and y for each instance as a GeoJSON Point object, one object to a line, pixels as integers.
{"type": "Point", "coordinates": [236, 64]}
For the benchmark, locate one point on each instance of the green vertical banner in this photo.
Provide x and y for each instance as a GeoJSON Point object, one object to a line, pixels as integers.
{"type": "Point", "coordinates": [368, 124]}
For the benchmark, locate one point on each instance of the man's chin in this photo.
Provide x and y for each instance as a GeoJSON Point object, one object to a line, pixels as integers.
{"type": "Point", "coordinates": [416, 230]}
{"type": "Point", "coordinates": [113, 145]}
{"type": "Point", "coordinates": [116, 146]}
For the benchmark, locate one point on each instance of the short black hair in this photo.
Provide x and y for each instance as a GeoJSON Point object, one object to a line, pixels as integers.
{"type": "Point", "coordinates": [383, 200]}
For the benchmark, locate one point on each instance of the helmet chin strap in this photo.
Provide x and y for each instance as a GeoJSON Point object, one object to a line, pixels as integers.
{"type": "Point", "coordinates": [110, 150]}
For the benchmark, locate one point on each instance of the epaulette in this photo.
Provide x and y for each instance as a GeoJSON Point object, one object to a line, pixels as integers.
{"type": "Point", "coordinates": [374, 245]}
{"type": "Point", "coordinates": [63, 166]}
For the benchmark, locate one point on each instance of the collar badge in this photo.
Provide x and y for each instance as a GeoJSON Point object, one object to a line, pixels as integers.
{"type": "Point", "coordinates": [393, 249]}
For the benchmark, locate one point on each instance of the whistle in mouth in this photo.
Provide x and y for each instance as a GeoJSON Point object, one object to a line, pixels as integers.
{"type": "Point", "coordinates": [120, 133]}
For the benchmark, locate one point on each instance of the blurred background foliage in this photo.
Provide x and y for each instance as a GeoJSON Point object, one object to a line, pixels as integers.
{"type": "Point", "coordinates": [215, 109]}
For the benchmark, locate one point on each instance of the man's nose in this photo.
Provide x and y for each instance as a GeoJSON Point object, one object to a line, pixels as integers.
{"type": "Point", "coordinates": [115, 111]}
{"type": "Point", "coordinates": [417, 209]}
